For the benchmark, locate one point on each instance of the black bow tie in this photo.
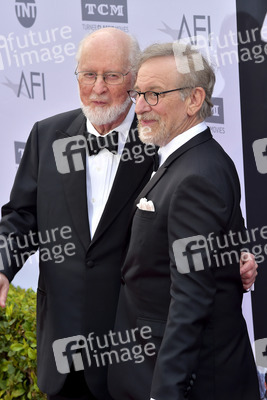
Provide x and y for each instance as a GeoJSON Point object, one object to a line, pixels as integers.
{"type": "Point", "coordinates": [97, 143]}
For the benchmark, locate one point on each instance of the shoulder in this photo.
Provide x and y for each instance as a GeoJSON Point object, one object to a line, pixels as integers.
{"type": "Point", "coordinates": [62, 119]}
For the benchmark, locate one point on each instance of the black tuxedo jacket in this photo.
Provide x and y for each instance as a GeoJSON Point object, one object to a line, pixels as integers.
{"type": "Point", "coordinates": [192, 317]}
{"type": "Point", "coordinates": [79, 295]}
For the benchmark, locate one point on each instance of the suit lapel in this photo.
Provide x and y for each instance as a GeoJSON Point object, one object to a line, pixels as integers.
{"type": "Point", "coordinates": [75, 185]}
{"type": "Point", "coordinates": [195, 141]}
{"type": "Point", "coordinates": [127, 181]}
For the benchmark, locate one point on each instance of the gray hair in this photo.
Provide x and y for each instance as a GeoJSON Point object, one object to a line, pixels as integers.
{"type": "Point", "coordinates": [133, 55]}
{"type": "Point", "coordinates": [192, 66]}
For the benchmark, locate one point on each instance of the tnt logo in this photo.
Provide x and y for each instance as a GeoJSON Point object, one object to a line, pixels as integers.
{"type": "Point", "coordinates": [26, 11]}
{"type": "Point", "coordinates": [69, 154]}
{"type": "Point", "coordinates": [70, 351]}
{"type": "Point", "coordinates": [217, 116]}
{"type": "Point", "coordinates": [112, 11]}
{"type": "Point", "coordinates": [191, 254]}
{"type": "Point", "coordinates": [260, 153]}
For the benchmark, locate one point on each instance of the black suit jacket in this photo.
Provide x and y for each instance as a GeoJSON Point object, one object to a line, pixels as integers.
{"type": "Point", "coordinates": [77, 295]}
{"type": "Point", "coordinates": [192, 318]}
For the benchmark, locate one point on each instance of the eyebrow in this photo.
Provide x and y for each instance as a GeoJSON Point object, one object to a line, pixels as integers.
{"type": "Point", "coordinates": [150, 89]}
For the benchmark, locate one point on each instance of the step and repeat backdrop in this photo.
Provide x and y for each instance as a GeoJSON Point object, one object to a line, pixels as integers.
{"type": "Point", "coordinates": [38, 42]}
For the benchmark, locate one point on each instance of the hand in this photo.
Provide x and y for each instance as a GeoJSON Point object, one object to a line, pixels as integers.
{"type": "Point", "coordinates": [248, 269]}
{"type": "Point", "coordinates": [4, 287]}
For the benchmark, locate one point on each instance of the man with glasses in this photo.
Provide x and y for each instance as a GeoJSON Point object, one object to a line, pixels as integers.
{"type": "Point", "coordinates": [80, 175]}
{"type": "Point", "coordinates": [181, 288]}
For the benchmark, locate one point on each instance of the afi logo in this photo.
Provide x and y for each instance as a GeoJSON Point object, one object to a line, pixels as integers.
{"type": "Point", "coordinates": [217, 116]}
{"type": "Point", "coordinates": [97, 10]}
{"type": "Point", "coordinates": [35, 80]}
{"type": "Point", "coordinates": [26, 12]}
{"type": "Point", "coordinates": [260, 154]}
{"type": "Point", "coordinates": [191, 254]}
{"type": "Point", "coordinates": [69, 154]}
{"type": "Point", "coordinates": [70, 351]}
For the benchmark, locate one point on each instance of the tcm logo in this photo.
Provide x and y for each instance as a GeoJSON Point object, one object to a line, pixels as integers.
{"type": "Point", "coordinates": [112, 11]}
{"type": "Point", "coordinates": [70, 351]}
{"type": "Point", "coordinates": [260, 154]}
{"type": "Point", "coordinates": [26, 11]}
{"type": "Point", "coordinates": [19, 149]}
{"type": "Point", "coordinates": [217, 116]}
{"type": "Point", "coordinates": [69, 153]}
{"type": "Point", "coordinates": [191, 254]}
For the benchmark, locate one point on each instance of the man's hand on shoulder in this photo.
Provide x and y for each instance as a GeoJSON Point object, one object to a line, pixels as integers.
{"type": "Point", "coordinates": [248, 269]}
{"type": "Point", "coordinates": [4, 287]}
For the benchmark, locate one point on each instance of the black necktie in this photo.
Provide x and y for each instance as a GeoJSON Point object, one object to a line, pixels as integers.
{"type": "Point", "coordinates": [97, 143]}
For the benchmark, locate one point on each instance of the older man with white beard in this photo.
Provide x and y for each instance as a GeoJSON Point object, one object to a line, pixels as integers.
{"type": "Point", "coordinates": [87, 194]}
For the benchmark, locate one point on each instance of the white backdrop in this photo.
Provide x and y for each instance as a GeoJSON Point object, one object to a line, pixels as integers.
{"type": "Point", "coordinates": [38, 41]}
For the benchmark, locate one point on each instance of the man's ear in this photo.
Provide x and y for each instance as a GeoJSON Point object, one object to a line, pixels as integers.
{"type": "Point", "coordinates": [195, 100]}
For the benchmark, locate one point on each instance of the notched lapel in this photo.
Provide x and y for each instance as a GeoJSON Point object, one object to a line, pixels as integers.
{"type": "Point", "coordinates": [129, 178]}
{"type": "Point", "coordinates": [74, 183]}
{"type": "Point", "coordinates": [195, 141]}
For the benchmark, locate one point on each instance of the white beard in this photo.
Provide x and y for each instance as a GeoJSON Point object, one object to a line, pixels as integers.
{"type": "Point", "coordinates": [100, 116]}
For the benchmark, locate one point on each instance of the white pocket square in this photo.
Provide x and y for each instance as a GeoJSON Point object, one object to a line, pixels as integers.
{"type": "Point", "coordinates": [146, 205]}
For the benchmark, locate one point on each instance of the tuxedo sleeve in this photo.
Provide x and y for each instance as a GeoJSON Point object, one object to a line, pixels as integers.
{"type": "Point", "coordinates": [198, 207]}
{"type": "Point", "coordinates": [19, 214]}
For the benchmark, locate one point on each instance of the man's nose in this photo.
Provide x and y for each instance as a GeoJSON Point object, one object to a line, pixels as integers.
{"type": "Point", "coordinates": [100, 85]}
{"type": "Point", "coordinates": [141, 105]}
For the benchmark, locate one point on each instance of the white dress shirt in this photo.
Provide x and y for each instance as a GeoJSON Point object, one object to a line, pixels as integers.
{"type": "Point", "coordinates": [101, 170]}
{"type": "Point", "coordinates": [165, 151]}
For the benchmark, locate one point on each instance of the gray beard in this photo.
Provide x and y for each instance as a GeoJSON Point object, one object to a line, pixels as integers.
{"type": "Point", "coordinates": [98, 116]}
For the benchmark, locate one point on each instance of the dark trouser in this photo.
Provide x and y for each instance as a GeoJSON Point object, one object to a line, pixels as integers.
{"type": "Point", "coordinates": [74, 388]}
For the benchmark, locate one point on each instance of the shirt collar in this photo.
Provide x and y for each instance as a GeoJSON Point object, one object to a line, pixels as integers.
{"type": "Point", "coordinates": [123, 129]}
{"type": "Point", "coordinates": [179, 140]}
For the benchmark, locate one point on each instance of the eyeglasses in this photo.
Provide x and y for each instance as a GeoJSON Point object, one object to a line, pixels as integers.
{"type": "Point", "coordinates": [152, 98]}
{"type": "Point", "coordinates": [110, 78]}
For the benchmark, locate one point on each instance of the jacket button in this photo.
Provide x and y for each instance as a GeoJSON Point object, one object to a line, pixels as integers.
{"type": "Point", "coordinates": [90, 263]}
